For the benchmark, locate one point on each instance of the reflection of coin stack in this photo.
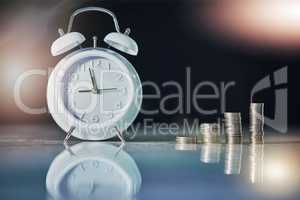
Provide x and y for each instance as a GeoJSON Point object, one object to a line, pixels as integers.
{"type": "Point", "coordinates": [256, 158]}
{"type": "Point", "coordinates": [186, 143]}
{"type": "Point", "coordinates": [210, 132]}
{"type": "Point", "coordinates": [210, 152]}
{"type": "Point", "coordinates": [233, 159]}
{"type": "Point", "coordinates": [233, 127]}
{"type": "Point", "coordinates": [256, 119]}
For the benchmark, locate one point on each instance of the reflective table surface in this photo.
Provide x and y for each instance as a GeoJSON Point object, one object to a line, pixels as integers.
{"type": "Point", "coordinates": [150, 170]}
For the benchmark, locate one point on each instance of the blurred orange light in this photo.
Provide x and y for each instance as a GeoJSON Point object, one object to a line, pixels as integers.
{"type": "Point", "coordinates": [258, 22]}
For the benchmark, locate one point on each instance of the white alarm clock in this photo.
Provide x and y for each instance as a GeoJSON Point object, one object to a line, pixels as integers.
{"type": "Point", "coordinates": [94, 93]}
{"type": "Point", "coordinates": [92, 170]}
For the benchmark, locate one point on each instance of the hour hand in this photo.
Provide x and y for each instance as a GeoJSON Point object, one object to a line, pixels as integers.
{"type": "Point", "coordinates": [93, 79]}
{"type": "Point", "coordinates": [85, 91]}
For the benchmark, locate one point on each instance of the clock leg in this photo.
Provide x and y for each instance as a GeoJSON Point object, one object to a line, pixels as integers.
{"type": "Point", "coordinates": [69, 134]}
{"type": "Point", "coordinates": [120, 135]}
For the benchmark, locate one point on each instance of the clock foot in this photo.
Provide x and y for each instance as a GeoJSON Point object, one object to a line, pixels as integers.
{"type": "Point", "coordinates": [69, 134]}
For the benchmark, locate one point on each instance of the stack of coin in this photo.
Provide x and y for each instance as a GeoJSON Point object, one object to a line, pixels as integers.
{"type": "Point", "coordinates": [186, 143]}
{"type": "Point", "coordinates": [257, 137]}
{"type": "Point", "coordinates": [256, 119]}
{"type": "Point", "coordinates": [186, 140]}
{"type": "Point", "coordinates": [233, 124]}
{"type": "Point", "coordinates": [209, 132]}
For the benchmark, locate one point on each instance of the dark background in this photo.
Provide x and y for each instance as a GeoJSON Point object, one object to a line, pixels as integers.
{"type": "Point", "coordinates": [171, 35]}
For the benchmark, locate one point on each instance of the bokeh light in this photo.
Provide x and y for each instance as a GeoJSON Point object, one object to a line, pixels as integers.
{"type": "Point", "coordinates": [262, 23]}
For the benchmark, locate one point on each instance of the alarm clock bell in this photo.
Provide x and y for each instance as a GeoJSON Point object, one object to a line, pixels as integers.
{"type": "Point", "coordinates": [66, 42]}
{"type": "Point", "coordinates": [117, 40]}
{"type": "Point", "coordinates": [122, 42]}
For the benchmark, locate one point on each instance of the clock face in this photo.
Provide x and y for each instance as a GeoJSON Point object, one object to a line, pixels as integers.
{"type": "Point", "coordinates": [98, 91]}
{"type": "Point", "coordinates": [100, 108]}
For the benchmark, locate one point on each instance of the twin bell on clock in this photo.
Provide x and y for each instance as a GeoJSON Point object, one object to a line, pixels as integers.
{"type": "Point", "coordinates": [94, 93]}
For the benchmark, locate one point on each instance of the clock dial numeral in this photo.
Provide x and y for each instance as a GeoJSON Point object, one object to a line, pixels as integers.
{"type": "Point", "coordinates": [107, 65]}
{"type": "Point", "coordinates": [73, 178]}
{"type": "Point", "coordinates": [120, 77]}
{"type": "Point", "coordinates": [95, 164]}
{"type": "Point", "coordinates": [74, 77]}
{"type": "Point", "coordinates": [69, 90]}
{"type": "Point", "coordinates": [82, 67]}
{"type": "Point", "coordinates": [119, 105]}
{"type": "Point", "coordinates": [123, 91]}
{"type": "Point", "coordinates": [107, 116]}
{"type": "Point", "coordinates": [82, 117]}
{"type": "Point", "coordinates": [108, 169]}
{"type": "Point", "coordinates": [74, 104]}
{"type": "Point", "coordinates": [94, 129]}
{"type": "Point", "coordinates": [96, 63]}
{"type": "Point", "coordinates": [82, 167]}
{"type": "Point", "coordinates": [95, 118]}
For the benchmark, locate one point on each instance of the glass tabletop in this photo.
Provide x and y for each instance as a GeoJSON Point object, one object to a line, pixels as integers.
{"type": "Point", "coordinates": [149, 170]}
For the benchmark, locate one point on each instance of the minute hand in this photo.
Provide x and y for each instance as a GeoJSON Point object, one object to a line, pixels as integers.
{"type": "Point", "coordinates": [106, 90]}
{"type": "Point", "coordinates": [100, 91]}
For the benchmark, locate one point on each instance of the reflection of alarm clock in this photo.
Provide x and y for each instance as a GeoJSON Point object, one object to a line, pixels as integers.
{"type": "Point", "coordinates": [94, 93]}
{"type": "Point", "coordinates": [93, 171]}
